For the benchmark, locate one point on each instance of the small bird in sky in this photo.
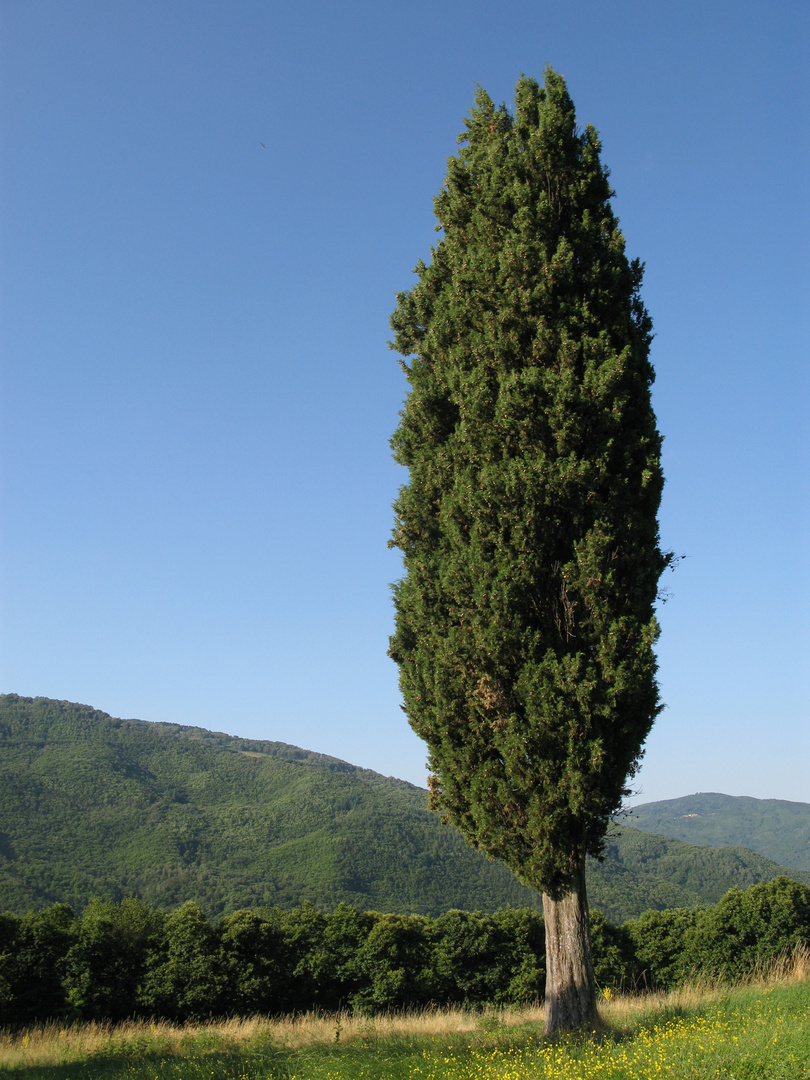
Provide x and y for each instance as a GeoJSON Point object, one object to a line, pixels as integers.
{"type": "Point", "coordinates": [262, 144]}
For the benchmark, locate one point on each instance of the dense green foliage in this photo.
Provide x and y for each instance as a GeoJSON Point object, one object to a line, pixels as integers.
{"type": "Point", "coordinates": [91, 805]}
{"type": "Point", "coordinates": [95, 806]}
{"type": "Point", "coordinates": [772, 827]}
{"type": "Point", "coordinates": [120, 960]}
{"type": "Point", "coordinates": [528, 527]}
{"type": "Point", "coordinates": [728, 940]}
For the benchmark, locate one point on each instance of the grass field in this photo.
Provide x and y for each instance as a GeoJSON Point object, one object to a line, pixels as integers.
{"type": "Point", "coordinates": [761, 1030]}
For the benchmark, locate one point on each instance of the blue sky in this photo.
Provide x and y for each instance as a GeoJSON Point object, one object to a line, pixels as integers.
{"type": "Point", "coordinates": [197, 396]}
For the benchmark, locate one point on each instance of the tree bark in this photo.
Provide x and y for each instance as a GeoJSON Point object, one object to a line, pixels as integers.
{"type": "Point", "coordinates": [570, 1002]}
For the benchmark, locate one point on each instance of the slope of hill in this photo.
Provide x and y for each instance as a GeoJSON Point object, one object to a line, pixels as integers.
{"type": "Point", "coordinates": [91, 805]}
{"type": "Point", "coordinates": [643, 871]}
{"type": "Point", "coordinates": [777, 829]}
{"type": "Point", "coordinates": [94, 805]}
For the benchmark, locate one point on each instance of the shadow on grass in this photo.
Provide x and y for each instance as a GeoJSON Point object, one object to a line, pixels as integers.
{"type": "Point", "coordinates": [382, 1058]}
{"type": "Point", "coordinates": [265, 1064]}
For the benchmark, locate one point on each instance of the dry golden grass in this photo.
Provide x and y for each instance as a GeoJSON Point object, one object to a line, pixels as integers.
{"type": "Point", "coordinates": [622, 1009]}
{"type": "Point", "coordinates": [54, 1043]}
{"type": "Point", "coordinates": [297, 1031]}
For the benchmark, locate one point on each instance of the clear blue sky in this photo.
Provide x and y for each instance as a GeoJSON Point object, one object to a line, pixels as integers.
{"type": "Point", "coordinates": [197, 396]}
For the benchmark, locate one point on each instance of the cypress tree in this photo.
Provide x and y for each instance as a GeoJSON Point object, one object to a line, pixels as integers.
{"type": "Point", "coordinates": [524, 626]}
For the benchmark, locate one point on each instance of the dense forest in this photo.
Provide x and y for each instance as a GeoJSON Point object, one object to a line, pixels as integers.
{"type": "Point", "coordinates": [128, 959]}
{"type": "Point", "coordinates": [94, 806]}
{"type": "Point", "coordinates": [775, 828]}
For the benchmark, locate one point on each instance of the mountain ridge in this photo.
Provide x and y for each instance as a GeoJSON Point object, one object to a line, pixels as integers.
{"type": "Point", "coordinates": [97, 805]}
{"type": "Point", "coordinates": [776, 828]}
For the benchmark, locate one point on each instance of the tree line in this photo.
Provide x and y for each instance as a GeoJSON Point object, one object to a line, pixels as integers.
{"type": "Point", "coordinates": [118, 960]}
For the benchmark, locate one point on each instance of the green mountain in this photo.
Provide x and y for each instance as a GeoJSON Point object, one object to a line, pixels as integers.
{"type": "Point", "coordinates": [643, 872]}
{"type": "Point", "coordinates": [777, 829]}
{"type": "Point", "coordinates": [91, 806]}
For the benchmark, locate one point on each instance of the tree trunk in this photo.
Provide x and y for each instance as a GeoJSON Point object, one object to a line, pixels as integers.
{"type": "Point", "coordinates": [570, 989]}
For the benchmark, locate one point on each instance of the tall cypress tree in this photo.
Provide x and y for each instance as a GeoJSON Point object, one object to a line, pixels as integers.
{"type": "Point", "coordinates": [524, 621]}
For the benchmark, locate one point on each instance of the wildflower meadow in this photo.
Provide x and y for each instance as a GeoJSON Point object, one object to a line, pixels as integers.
{"type": "Point", "coordinates": [750, 1032]}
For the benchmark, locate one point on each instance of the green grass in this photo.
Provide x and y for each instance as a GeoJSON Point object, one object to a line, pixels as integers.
{"type": "Point", "coordinates": [744, 1034]}
{"type": "Point", "coordinates": [748, 1036]}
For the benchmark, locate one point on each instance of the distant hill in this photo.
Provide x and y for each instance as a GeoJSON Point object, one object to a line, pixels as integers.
{"type": "Point", "coordinates": [777, 829]}
{"type": "Point", "coordinates": [91, 805]}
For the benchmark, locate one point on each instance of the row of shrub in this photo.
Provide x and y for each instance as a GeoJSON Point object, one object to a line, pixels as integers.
{"type": "Point", "coordinates": [127, 959]}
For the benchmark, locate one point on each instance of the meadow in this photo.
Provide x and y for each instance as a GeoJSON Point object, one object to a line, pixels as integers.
{"type": "Point", "coordinates": [757, 1030]}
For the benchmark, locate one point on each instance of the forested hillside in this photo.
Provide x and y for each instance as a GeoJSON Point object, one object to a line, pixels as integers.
{"type": "Point", "coordinates": [91, 806]}
{"type": "Point", "coordinates": [775, 828]}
